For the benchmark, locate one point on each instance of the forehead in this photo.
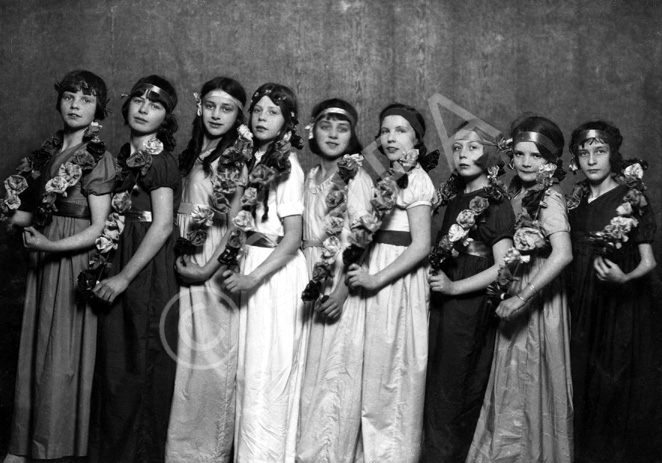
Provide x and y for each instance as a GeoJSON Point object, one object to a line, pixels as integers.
{"type": "Point", "coordinates": [336, 119]}
{"type": "Point", "coordinates": [395, 120]}
{"type": "Point", "coordinates": [527, 147]}
{"type": "Point", "coordinates": [218, 99]}
{"type": "Point", "coordinates": [466, 136]}
{"type": "Point", "coordinates": [266, 102]}
{"type": "Point", "coordinates": [80, 92]}
{"type": "Point", "coordinates": [593, 142]}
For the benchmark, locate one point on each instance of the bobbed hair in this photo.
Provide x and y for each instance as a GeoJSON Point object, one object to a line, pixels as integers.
{"type": "Point", "coordinates": [543, 126]}
{"type": "Point", "coordinates": [614, 139]}
{"type": "Point", "coordinates": [491, 155]}
{"type": "Point", "coordinates": [414, 113]}
{"type": "Point", "coordinates": [354, 145]}
{"type": "Point", "coordinates": [90, 84]}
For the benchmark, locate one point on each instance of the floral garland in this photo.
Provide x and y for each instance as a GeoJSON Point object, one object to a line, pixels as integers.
{"type": "Point", "coordinates": [224, 183]}
{"type": "Point", "coordinates": [333, 223]}
{"type": "Point", "coordinates": [137, 164]}
{"type": "Point", "coordinates": [613, 235]}
{"type": "Point", "coordinates": [458, 233]}
{"type": "Point", "coordinates": [68, 175]}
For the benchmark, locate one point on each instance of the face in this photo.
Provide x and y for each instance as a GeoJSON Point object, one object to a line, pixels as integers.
{"type": "Point", "coordinates": [593, 157]}
{"type": "Point", "coordinates": [77, 109]}
{"type": "Point", "coordinates": [218, 115]}
{"type": "Point", "coordinates": [467, 150]}
{"type": "Point", "coordinates": [527, 160]}
{"type": "Point", "coordinates": [145, 116]}
{"type": "Point", "coordinates": [266, 120]}
{"type": "Point", "coordinates": [397, 137]}
{"type": "Point", "coordinates": [332, 137]}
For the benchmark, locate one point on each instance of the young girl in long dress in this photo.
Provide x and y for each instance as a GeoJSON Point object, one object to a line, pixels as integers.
{"type": "Point", "coordinates": [202, 416]}
{"type": "Point", "coordinates": [477, 231]}
{"type": "Point", "coordinates": [394, 282]}
{"type": "Point", "coordinates": [138, 299]}
{"type": "Point", "coordinates": [615, 347]}
{"type": "Point", "coordinates": [527, 411]}
{"type": "Point", "coordinates": [331, 395]}
{"type": "Point", "coordinates": [58, 337]}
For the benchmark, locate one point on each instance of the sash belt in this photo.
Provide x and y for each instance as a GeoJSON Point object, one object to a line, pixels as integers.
{"type": "Point", "coordinates": [262, 240]}
{"type": "Point", "coordinates": [392, 237]}
{"type": "Point", "coordinates": [75, 210]}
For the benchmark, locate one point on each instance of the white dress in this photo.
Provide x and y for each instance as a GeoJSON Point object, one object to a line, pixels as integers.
{"type": "Point", "coordinates": [396, 347]}
{"type": "Point", "coordinates": [273, 336]}
{"type": "Point", "coordinates": [201, 424]}
{"type": "Point", "coordinates": [331, 396]}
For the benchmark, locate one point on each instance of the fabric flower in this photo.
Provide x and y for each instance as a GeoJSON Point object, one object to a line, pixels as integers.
{"type": "Point", "coordinates": [457, 233]}
{"type": "Point", "coordinates": [92, 130]}
{"type": "Point", "coordinates": [349, 166]}
{"type": "Point", "coordinates": [332, 225]}
{"type": "Point", "coordinates": [528, 239]}
{"type": "Point", "coordinates": [479, 204]}
{"type": "Point", "coordinates": [140, 159]}
{"type": "Point", "coordinates": [624, 209]}
{"type": "Point", "coordinates": [369, 222]}
{"type": "Point", "coordinates": [249, 198]}
{"type": "Point", "coordinates": [360, 238]}
{"type": "Point", "coordinates": [105, 244]}
{"type": "Point", "coordinates": [244, 221]}
{"type": "Point", "coordinates": [261, 175]}
{"type": "Point", "coordinates": [466, 219]}
{"type": "Point", "coordinates": [634, 170]}
{"type": "Point", "coordinates": [321, 270]}
{"type": "Point", "coordinates": [636, 198]}
{"type": "Point", "coordinates": [70, 172]}
{"type": "Point", "coordinates": [202, 216]}
{"type": "Point", "coordinates": [244, 132]}
{"type": "Point", "coordinates": [121, 202]}
{"type": "Point", "coordinates": [197, 237]}
{"type": "Point", "coordinates": [409, 159]}
{"type": "Point", "coordinates": [226, 180]}
{"type": "Point", "coordinates": [26, 165]}
{"type": "Point", "coordinates": [16, 184]}
{"type": "Point", "coordinates": [330, 247]}
{"type": "Point", "coordinates": [335, 198]}
{"type": "Point", "coordinates": [219, 202]}
{"type": "Point", "coordinates": [84, 159]}
{"type": "Point", "coordinates": [57, 185]}
{"type": "Point", "coordinates": [12, 202]}
{"type": "Point", "coordinates": [153, 146]}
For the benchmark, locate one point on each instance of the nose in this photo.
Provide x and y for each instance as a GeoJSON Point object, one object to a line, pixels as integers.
{"type": "Point", "coordinates": [333, 133]}
{"type": "Point", "coordinates": [216, 114]}
{"type": "Point", "coordinates": [75, 103]}
{"type": "Point", "coordinates": [526, 161]}
{"type": "Point", "coordinates": [464, 152]}
{"type": "Point", "coordinates": [142, 109]}
{"type": "Point", "coordinates": [591, 159]}
{"type": "Point", "coordinates": [262, 116]}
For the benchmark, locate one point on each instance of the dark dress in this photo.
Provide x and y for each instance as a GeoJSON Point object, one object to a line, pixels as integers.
{"type": "Point", "coordinates": [461, 343]}
{"type": "Point", "coordinates": [135, 373]}
{"type": "Point", "coordinates": [614, 353]}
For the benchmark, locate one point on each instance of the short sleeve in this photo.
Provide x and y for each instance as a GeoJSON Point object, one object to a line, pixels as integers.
{"type": "Point", "coordinates": [162, 173]}
{"type": "Point", "coordinates": [554, 217]}
{"type": "Point", "coordinates": [289, 190]}
{"type": "Point", "coordinates": [419, 191]}
{"type": "Point", "coordinates": [359, 195]}
{"type": "Point", "coordinates": [101, 180]}
{"type": "Point", "coordinates": [499, 223]}
{"type": "Point", "coordinates": [645, 231]}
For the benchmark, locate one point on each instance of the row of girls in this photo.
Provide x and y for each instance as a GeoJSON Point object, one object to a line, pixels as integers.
{"type": "Point", "coordinates": [302, 319]}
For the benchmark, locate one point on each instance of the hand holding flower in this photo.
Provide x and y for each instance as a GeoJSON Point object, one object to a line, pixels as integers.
{"type": "Point", "coordinates": [608, 271]}
{"type": "Point", "coordinates": [440, 283]}
{"type": "Point", "coordinates": [358, 277]}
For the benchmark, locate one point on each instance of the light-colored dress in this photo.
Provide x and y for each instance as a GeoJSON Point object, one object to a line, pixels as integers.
{"type": "Point", "coordinates": [273, 336]}
{"type": "Point", "coordinates": [527, 411]}
{"type": "Point", "coordinates": [396, 343]}
{"type": "Point", "coordinates": [201, 427]}
{"type": "Point", "coordinates": [331, 397]}
{"type": "Point", "coordinates": [59, 336]}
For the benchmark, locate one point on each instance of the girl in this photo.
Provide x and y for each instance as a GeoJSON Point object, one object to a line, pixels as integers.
{"type": "Point", "coordinates": [138, 326]}
{"type": "Point", "coordinates": [396, 291]}
{"type": "Point", "coordinates": [476, 231]}
{"type": "Point", "coordinates": [202, 416]}
{"type": "Point", "coordinates": [334, 365]}
{"type": "Point", "coordinates": [58, 338]}
{"type": "Point", "coordinates": [527, 411]}
{"type": "Point", "coordinates": [614, 351]}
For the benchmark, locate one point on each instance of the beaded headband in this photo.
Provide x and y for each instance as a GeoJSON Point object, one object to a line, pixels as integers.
{"type": "Point", "coordinates": [409, 116]}
{"type": "Point", "coordinates": [536, 137]}
{"type": "Point", "coordinates": [335, 110]}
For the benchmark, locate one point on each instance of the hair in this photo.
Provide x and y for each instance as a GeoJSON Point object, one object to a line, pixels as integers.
{"type": "Point", "coordinates": [90, 84]}
{"type": "Point", "coordinates": [491, 155]}
{"type": "Point", "coordinates": [543, 126]}
{"type": "Point", "coordinates": [420, 144]}
{"type": "Point", "coordinates": [194, 148]}
{"type": "Point", "coordinates": [614, 140]}
{"type": "Point", "coordinates": [286, 100]}
{"type": "Point", "coordinates": [169, 125]}
{"type": "Point", "coordinates": [354, 145]}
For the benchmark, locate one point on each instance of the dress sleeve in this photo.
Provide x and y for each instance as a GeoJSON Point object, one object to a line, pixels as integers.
{"type": "Point", "coordinates": [645, 231]}
{"type": "Point", "coordinates": [289, 190]}
{"type": "Point", "coordinates": [554, 217]}
{"type": "Point", "coordinates": [162, 173]}
{"type": "Point", "coordinates": [499, 223]}
{"type": "Point", "coordinates": [419, 192]}
{"type": "Point", "coordinates": [359, 194]}
{"type": "Point", "coordinates": [101, 180]}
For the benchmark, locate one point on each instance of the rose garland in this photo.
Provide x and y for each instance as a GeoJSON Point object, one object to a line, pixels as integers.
{"type": "Point", "coordinates": [68, 175]}
{"type": "Point", "coordinates": [136, 164]}
{"type": "Point", "coordinates": [224, 183]}
{"type": "Point", "coordinates": [336, 201]}
{"type": "Point", "coordinates": [613, 235]}
{"type": "Point", "coordinates": [458, 233]}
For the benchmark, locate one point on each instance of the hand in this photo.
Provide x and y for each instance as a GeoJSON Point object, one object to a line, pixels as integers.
{"type": "Point", "coordinates": [440, 283]}
{"type": "Point", "coordinates": [190, 272]}
{"type": "Point", "coordinates": [107, 290]}
{"type": "Point", "coordinates": [32, 239]}
{"type": "Point", "coordinates": [358, 277]}
{"type": "Point", "coordinates": [608, 271]}
{"type": "Point", "coordinates": [332, 305]}
{"type": "Point", "coordinates": [510, 308]}
{"type": "Point", "coordinates": [236, 282]}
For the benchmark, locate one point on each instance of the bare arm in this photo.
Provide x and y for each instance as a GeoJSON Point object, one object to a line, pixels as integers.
{"type": "Point", "coordinates": [607, 270]}
{"type": "Point", "coordinates": [20, 218]}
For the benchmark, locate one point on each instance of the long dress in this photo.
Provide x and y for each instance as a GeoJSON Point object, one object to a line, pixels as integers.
{"type": "Point", "coordinates": [137, 345]}
{"type": "Point", "coordinates": [273, 335]}
{"type": "Point", "coordinates": [396, 347]}
{"type": "Point", "coordinates": [201, 425]}
{"type": "Point", "coordinates": [462, 334]}
{"type": "Point", "coordinates": [331, 395]}
{"type": "Point", "coordinates": [615, 346]}
{"type": "Point", "coordinates": [58, 336]}
{"type": "Point", "coordinates": [527, 411]}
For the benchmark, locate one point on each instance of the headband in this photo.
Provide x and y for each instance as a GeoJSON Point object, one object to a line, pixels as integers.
{"type": "Point", "coordinates": [223, 94]}
{"type": "Point", "coordinates": [409, 116]}
{"type": "Point", "coordinates": [588, 134]}
{"type": "Point", "coordinates": [151, 88]}
{"type": "Point", "coordinates": [537, 138]}
{"type": "Point", "coordinates": [334, 110]}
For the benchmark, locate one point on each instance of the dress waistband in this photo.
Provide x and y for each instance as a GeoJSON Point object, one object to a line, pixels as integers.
{"type": "Point", "coordinates": [476, 248]}
{"type": "Point", "coordinates": [188, 208]}
{"type": "Point", "coordinates": [392, 237]}
{"type": "Point", "coordinates": [262, 240]}
{"type": "Point", "coordinates": [75, 210]}
{"type": "Point", "coordinates": [311, 244]}
{"type": "Point", "coordinates": [138, 216]}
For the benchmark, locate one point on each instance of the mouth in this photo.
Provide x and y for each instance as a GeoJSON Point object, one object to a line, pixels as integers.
{"type": "Point", "coordinates": [215, 125]}
{"type": "Point", "coordinates": [139, 120]}
{"type": "Point", "coordinates": [391, 149]}
{"type": "Point", "coordinates": [331, 144]}
{"type": "Point", "coordinates": [260, 128]}
{"type": "Point", "coordinates": [74, 116]}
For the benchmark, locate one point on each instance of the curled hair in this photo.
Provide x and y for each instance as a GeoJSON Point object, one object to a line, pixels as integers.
{"type": "Point", "coordinates": [491, 154]}
{"type": "Point", "coordinates": [614, 139]}
{"type": "Point", "coordinates": [194, 148]}
{"type": "Point", "coordinates": [169, 126]}
{"type": "Point", "coordinates": [286, 100]}
{"type": "Point", "coordinates": [414, 117]}
{"type": "Point", "coordinates": [354, 145]}
{"type": "Point", "coordinates": [90, 84]}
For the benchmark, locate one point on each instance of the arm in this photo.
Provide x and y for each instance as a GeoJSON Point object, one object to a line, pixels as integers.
{"type": "Point", "coordinates": [155, 238]}
{"type": "Point", "coordinates": [333, 305]}
{"type": "Point", "coordinates": [607, 270]}
{"type": "Point", "coordinates": [560, 257]}
{"type": "Point", "coordinates": [99, 210]}
{"type": "Point", "coordinates": [20, 218]}
{"type": "Point", "coordinates": [288, 247]}
{"type": "Point", "coordinates": [419, 225]}
{"type": "Point", "coordinates": [478, 282]}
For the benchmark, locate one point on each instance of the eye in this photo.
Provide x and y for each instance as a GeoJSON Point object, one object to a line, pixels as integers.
{"type": "Point", "coordinates": [137, 100]}
{"type": "Point", "coordinates": [67, 97]}
{"type": "Point", "coordinates": [518, 154]}
{"type": "Point", "coordinates": [536, 155]}
{"type": "Point", "coordinates": [400, 130]}
{"type": "Point", "coordinates": [457, 147]}
{"type": "Point", "coordinates": [209, 106]}
{"type": "Point", "coordinates": [343, 129]}
{"type": "Point", "coordinates": [87, 100]}
{"type": "Point", "coordinates": [582, 154]}
{"type": "Point", "coordinates": [227, 109]}
{"type": "Point", "coordinates": [324, 126]}
{"type": "Point", "coordinates": [383, 131]}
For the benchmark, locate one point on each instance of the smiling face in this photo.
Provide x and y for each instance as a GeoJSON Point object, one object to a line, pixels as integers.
{"type": "Point", "coordinates": [218, 115]}
{"type": "Point", "coordinates": [527, 160]}
{"type": "Point", "coordinates": [266, 120]}
{"type": "Point", "coordinates": [77, 109]}
{"type": "Point", "coordinates": [397, 137]}
{"type": "Point", "coordinates": [332, 137]}
{"type": "Point", "coordinates": [144, 115]}
{"type": "Point", "coordinates": [593, 157]}
{"type": "Point", "coordinates": [467, 151]}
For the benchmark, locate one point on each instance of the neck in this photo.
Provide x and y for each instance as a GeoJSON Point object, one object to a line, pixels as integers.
{"type": "Point", "coordinates": [137, 140]}
{"type": "Point", "coordinates": [72, 138]}
{"type": "Point", "coordinates": [328, 167]}
{"type": "Point", "coordinates": [476, 183]}
{"type": "Point", "coordinates": [598, 189]}
{"type": "Point", "coordinates": [527, 185]}
{"type": "Point", "coordinates": [209, 143]}
{"type": "Point", "coordinates": [264, 145]}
